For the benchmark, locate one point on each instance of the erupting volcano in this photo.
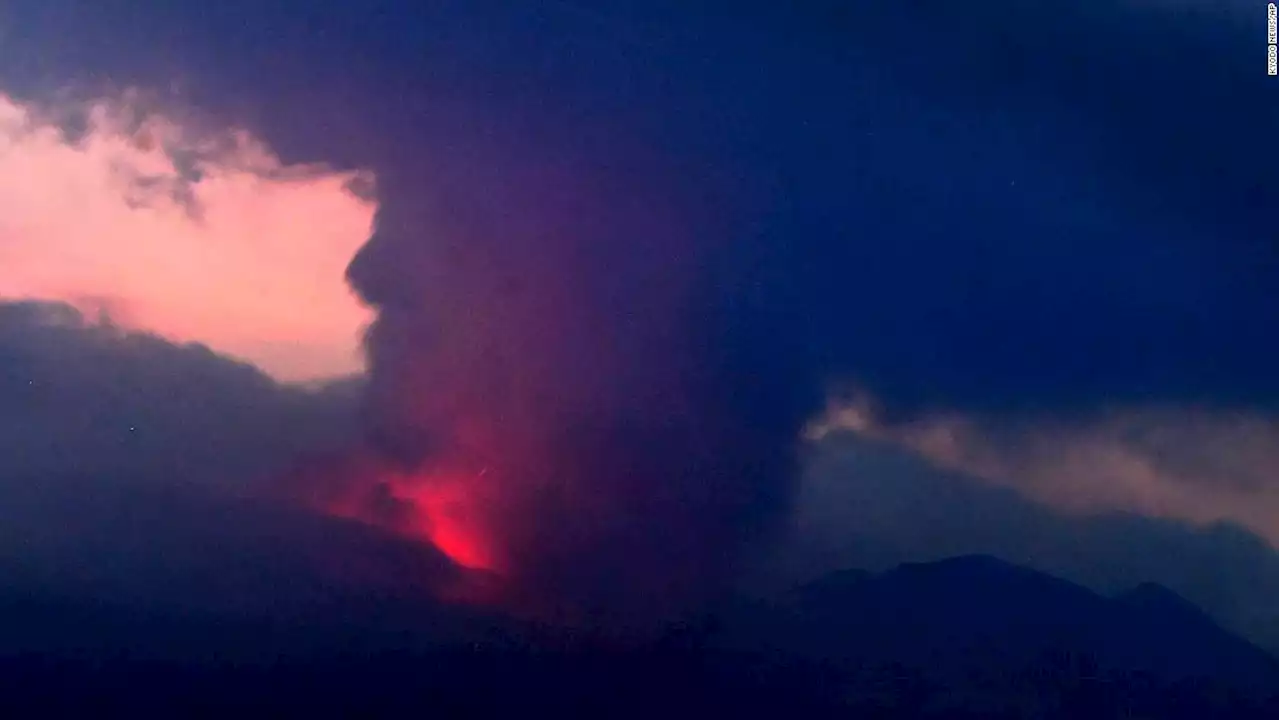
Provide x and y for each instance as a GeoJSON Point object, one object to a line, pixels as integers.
{"type": "Point", "coordinates": [445, 509]}
{"type": "Point", "coordinates": [562, 392]}
{"type": "Point", "coordinates": [449, 510]}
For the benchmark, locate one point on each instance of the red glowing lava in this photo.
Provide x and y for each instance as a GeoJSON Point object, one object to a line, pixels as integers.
{"type": "Point", "coordinates": [446, 509]}
{"type": "Point", "coordinates": [447, 512]}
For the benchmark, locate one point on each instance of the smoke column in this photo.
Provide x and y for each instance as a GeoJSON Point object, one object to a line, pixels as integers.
{"type": "Point", "coordinates": [554, 395]}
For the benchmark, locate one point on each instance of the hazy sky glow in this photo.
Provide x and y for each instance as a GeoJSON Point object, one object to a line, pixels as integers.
{"type": "Point", "coordinates": [197, 237]}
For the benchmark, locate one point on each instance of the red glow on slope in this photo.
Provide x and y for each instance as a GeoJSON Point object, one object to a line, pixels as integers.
{"type": "Point", "coordinates": [447, 511]}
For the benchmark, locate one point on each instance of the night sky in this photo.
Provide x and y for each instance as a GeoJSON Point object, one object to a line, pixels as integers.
{"type": "Point", "coordinates": [619, 299]}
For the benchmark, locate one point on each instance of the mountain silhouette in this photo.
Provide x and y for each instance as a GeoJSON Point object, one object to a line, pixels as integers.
{"type": "Point", "coordinates": [978, 629]}
{"type": "Point", "coordinates": [965, 637]}
{"type": "Point", "coordinates": [1157, 600]}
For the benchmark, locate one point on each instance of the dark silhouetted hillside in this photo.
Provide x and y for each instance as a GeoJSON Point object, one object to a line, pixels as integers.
{"type": "Point", "coordinates": [963, 638]}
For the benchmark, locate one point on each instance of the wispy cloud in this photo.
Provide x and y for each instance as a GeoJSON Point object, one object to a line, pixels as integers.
{"type": "Point", "coordinates": [1194, 464]}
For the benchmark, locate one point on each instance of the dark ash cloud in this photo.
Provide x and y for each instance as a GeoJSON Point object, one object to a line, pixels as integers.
{"type": "Point", "coordinates": [620, 303]}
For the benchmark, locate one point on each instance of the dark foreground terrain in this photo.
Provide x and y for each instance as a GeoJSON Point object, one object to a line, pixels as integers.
{"type": "Point", "coordinates": [964, 638]}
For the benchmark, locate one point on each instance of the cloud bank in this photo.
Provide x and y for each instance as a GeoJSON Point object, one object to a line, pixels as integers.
{"type": "Point", "coordinates": [135, 471]}
{"type": "Point", "coordinates": [84, 398]}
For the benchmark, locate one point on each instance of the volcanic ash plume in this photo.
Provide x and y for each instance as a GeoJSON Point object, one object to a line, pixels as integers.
{"type": "Point", "coordinates": [554, 394]}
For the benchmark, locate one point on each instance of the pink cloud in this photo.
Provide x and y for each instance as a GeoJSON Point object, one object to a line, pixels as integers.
{"type": "Point", "coordinates": [196, 236]}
